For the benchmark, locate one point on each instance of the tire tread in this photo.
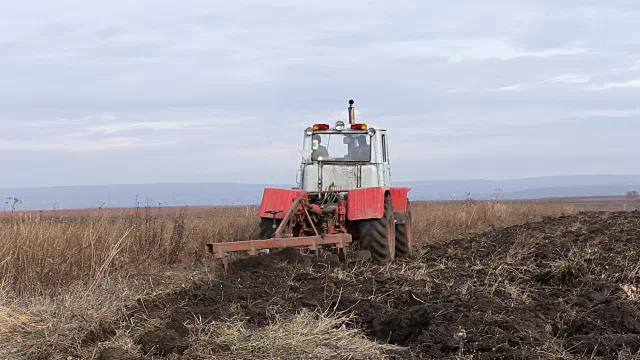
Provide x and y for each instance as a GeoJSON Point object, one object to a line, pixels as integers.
{"type": "Point", "coordinates": [403, 243]}
{"type": "Point", "coordinates": [373, 235]}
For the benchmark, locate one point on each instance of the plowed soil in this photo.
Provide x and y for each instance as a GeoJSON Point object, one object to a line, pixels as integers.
{"type": "Point", "coordinates": [558, 288]}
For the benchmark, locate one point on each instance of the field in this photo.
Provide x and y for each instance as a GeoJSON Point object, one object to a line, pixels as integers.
{"type": "Point", "coordinates": [598, 203]}
{"type": "Point", "coordinates": [490, 279]}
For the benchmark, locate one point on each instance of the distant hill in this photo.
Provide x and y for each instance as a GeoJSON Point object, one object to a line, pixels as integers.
{"type": "Point", "coordinates": [92, 196]}
{"type": "Point", "coordinates": [202, 194]}
{"type": "Point", "coordinates": [527, 188]}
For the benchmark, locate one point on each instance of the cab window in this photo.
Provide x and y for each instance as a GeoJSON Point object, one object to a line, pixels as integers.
{"type": "Point", "coordinates": [384, 148]}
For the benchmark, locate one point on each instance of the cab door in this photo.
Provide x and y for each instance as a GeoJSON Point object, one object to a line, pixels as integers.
{"type": "Point", "coordinates": [386, 169]}
{"type": "Point", "coordinates": [382, 158]}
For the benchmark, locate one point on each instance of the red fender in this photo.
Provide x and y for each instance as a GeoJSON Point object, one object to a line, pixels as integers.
{"type": "Point", "coordinates": [400, 198]}
{"type": "Point", "coordinates": [279, 199]}
{"type": "Point", "coordinates": [365, 203]}
{"type": "Point", "coordinates": [368, 203]}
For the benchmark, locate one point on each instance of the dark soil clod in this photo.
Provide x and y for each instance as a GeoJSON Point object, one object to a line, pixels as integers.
{"type": "Point", "coordinates": [178, 326]}
{"type": "Point", "coordinates": [604, 346]}
{"type": "Point", "coordinates": [162, 342]}
{"type": "Point", "coordinates": [102, 331]}
{"type": "Point", "coordinates": [403, 327]}
{"type": "Point", "coordinates": [112, 353]}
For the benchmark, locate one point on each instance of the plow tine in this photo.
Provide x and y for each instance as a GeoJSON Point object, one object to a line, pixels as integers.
{"type": "Point", "coordinates": [287, 217]}
{"type": "Point", "coordinates": [308, 218]}
{"type": "Point", "coordinates": [221, 250]}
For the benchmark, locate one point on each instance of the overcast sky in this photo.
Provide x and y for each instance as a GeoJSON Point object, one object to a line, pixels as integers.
{"type": "Point", "coordinates": [127, 91]}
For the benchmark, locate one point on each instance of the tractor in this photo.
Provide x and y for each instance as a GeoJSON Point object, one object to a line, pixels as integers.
{"type": "Point", "coordinates": [344, 200]}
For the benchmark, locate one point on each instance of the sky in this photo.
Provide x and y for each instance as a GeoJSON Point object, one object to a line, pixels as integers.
{"type": "Point", "coordinates": [130, 91]}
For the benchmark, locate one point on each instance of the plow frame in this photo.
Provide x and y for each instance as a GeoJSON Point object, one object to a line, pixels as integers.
{"type": "Point", "coordinates": [298, 212]}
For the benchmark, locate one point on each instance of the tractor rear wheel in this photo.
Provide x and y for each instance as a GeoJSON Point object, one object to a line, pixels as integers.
{"type": "Point", "coordinates": [378, 236]}
{"type": "Point", "coordinates": [266, 229]}
{"type": "Point", "coordinates": [404, 239]}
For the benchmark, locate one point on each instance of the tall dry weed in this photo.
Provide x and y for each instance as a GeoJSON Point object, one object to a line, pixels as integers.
{"type": "Point", "coordinates": [436, 221]}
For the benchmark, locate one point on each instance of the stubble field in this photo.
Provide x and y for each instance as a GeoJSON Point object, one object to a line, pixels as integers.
{"type": "Point", "coordinates": [138, 284]}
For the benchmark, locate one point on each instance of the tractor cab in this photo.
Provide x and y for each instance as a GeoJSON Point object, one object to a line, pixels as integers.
{"type": "Point", "coordinates": [344, 157]}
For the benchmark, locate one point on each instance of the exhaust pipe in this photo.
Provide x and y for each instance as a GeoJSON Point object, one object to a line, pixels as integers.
{"type": "Point", "coordinates": [352, 113]}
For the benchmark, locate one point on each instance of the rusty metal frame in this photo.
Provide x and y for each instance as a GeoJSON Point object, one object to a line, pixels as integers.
{"type": "Point", "coordinates": [292, 210]}
{"type": "Point", "coordinates": [287, 217]}
{"type": "Point", "coordinates": [220, 250]}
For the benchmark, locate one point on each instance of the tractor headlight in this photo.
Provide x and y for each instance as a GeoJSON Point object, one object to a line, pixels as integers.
{"type": "Point", "coordinates": [339, 125]}
{"type": "Point", "coordinates": [309, 131]}
{"type": "Point", "coordinates": [371, 131]}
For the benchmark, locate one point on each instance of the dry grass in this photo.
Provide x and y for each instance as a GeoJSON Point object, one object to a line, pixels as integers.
{"type": "Point", "coordinates": [433, 221]}
{"type": "Point", "coordinates": [307, 335]}
{"type": "Point", "coordinates": [60, 275]}
{"type": "Point", "coordinates": [42, 255]}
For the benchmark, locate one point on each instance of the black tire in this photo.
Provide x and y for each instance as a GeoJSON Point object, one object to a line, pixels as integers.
{"type": "Point", "coordinates": [266, 229]}
{"type": "Point", "coordinates": [404, 239]}
{"type": "Point", "coordinates": [375, 234]}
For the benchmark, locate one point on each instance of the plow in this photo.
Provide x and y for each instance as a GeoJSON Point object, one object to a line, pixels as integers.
{"type": "Point", "coordinates": [344, 200]}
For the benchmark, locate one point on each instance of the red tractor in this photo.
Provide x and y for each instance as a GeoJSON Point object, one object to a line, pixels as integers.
{"type": "Point", "coordinates": [344, 199]}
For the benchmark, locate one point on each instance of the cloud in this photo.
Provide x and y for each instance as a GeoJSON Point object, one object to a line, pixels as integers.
{"type": "Point", "coordinates": [113, 128]}
{"type": "Point", "coordinates": [65, 122]}
{"type": "Point", "coordinates": [608, 113]}
{"type": "Point", "coordinates": [516, 87]}
{"type": "Point", "coordinates": [617, 85]}
{"type": "Point", "coordinates": [81, 146]}
{"type": "Point", "coordinates": [570, 79]}
{"type": "Point", "coordinates": [430, 131]}
{"type": "Point", "coordinates": [267, 153]}
{"type": "Point", "coordinates": [460, 50]}
{"type": "Point", "coordinates": [453, 91]}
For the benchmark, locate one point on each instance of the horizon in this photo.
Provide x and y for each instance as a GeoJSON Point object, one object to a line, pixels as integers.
{"type": "Point", "coordinates": [293, 183]}
{"type": "Point", "coordinates": [222, 194]}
